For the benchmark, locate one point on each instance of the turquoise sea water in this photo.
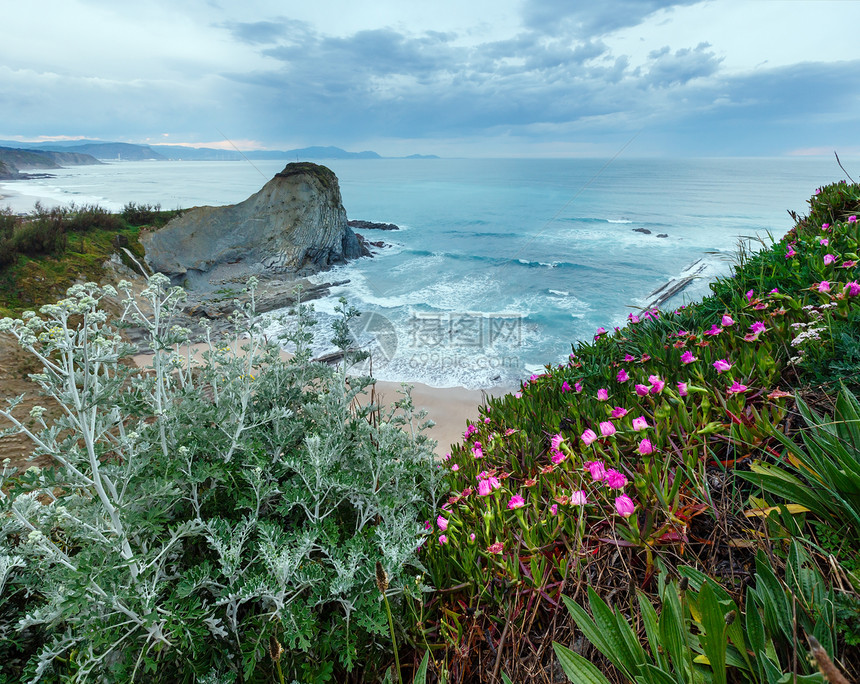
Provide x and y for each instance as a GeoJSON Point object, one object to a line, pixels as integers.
{"type": "Point", "coordinates": [500, 264]}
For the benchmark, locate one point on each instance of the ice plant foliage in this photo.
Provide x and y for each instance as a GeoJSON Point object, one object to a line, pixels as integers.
{"type": "Point", "coordinates": [596, 472]}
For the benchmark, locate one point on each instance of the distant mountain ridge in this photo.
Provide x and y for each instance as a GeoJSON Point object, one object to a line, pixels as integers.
{"type": "Point", "coordinates": [112, 151]}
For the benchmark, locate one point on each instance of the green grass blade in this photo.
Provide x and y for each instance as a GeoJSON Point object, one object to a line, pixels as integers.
{"type": "Point", "coordinates": [577, 668]}
{"type": "Point", "coordinates": [421, 672]}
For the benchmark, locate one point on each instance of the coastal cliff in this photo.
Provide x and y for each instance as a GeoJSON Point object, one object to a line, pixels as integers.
{"type": "Point", "coordinates": [13, 161]}
{"type": "Point", "coordinates": [295, 225]}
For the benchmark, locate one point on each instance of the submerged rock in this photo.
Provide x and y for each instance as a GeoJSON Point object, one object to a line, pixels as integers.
{"type": "Point", "coordinates": [295, 225]}
{"type": "Point", "coordinates": [372, 225]}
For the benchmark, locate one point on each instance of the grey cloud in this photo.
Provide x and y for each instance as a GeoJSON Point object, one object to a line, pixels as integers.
{"type": "Point", "coordinates": [672, 68]}
{"type": "Point", "coordinates": [593, 19]}
{"type": "Point", "coordinates": [255, 33]}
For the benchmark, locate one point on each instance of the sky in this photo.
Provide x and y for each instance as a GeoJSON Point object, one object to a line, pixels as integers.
{"type": "Point", "coordinates": [456, 78]}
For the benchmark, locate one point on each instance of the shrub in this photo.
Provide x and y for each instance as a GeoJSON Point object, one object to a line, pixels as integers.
{"type": "Point", "coordinates": [147, 214]}
{"type": "Point", "coordinates": [199, 518]}
{"type": "Point", "coordinates": [89, 216]}
{"type": "Point", "coordinates": [8, 223]}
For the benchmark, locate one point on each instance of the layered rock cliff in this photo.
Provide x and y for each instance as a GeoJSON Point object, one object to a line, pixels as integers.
{"type": "Point", "coordinates": [295, 224]}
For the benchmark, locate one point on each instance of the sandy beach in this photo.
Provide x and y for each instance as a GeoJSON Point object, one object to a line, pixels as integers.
{"type": "Point", "coordinates": [448, 407]}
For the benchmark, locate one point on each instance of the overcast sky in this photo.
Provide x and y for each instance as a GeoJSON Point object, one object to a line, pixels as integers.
{"type": "Point", "coordinates": [449, 77]}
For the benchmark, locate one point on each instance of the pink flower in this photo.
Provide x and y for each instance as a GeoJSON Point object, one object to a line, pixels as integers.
{"type": "Point", "coordinates": [565, 387]}
{"type": "Point", "coordinates": [641, 390]}
{"type": "Point", "coordinates": [519, 395]}
{"type": "Point", "coordinates": [470, 430]}
{"type": "Point", "coordinates": [602, 394]}
{"type": "Point", "coordinates": [442, 523]}
{"type": "Point", "coordinates": [498, 547]}
{"type": "Point", "coordinates": [829, 259]}
{"type": "Point", "coordinates": [824, 242]}
{"type": "Point", "coordinates": [825, 226]}
{"type": "Point", "coordinates": [558, 456]}
{"type": "Point", "coordinates": [446, 456]}
{"type": "Point", "coordinates": [727, 320]}
{"type": "Point", "coordinates": [443, 539]}
{"type": "Point", "coordinates": [554, 509]}
{"type": "Point", "coordinates": [455, 468]}
{"type": "Point", "coordinates": [472, 537]}
{"type": "Point", "coordinates": [428, 525]}
{"type": "Point", "coordinates": [577, 386]}
{"type": "Point", "coordinates": [578, 498]}
{"type": "Point", "coordinates": [600, 331]}
{"type": "Point", "coordinates": [484, 488]}
{"type": "Point", "coordinates": [596, 469]}
{"type": "Point", "coordinates": [714, 331]}
{"type": "Point", "coordinates": [750, 294]}
{"type": "Point", "coordinates": [758, 328]}
{"type": "Point", "coordinates": [516, 501]}
{"type": "Point", "coordinates": [487, 421]}
{"type": "Point", "coordinates": [848, 264]}
{"type": "Point", "coordinates": [607, 429]}
{"type": "Point", "coordinates": [682, 388]}
{"type": "Point", "coordinates": [824, 286]}
{"type": "Point", "coordinates": [774, 291]}
{"type": "Point", "coordinates": [687, 357]}
{"type": "Point", "coordinates": [588, 436]}
{"type": "Point", "coordinates": [614, 479]}
{"type": "Point", "coordinates": [722, 365]}
{"type": "Point", "coordinates": [624, 506]}
{"type": "Point", "coordinates": [629, 358]}
{"type": "Point", "coordinates": [645, 447]}
{"type": "Point", "coordinates": [633, 318]}
{"type": "Point", "coordinates": [477, 451]}
{"type": "Point", "coordinates": [640, 423]}
{"type": "Point", "coordinates": [622, 376]}
{"type": "Point", "coordinates": [657, 384]}
{"type": "Point", "coordinates": [619, 412]}
{"type": "Point", "coordinates": [852, 219]}
{"type": "Point", "coordinates": [852, 289]}
{"type": "Point", "coordinates": [556, 441]}
{"type": "Point", "coordinates": [789, 252]}
{"type": "Point", "coordinates": [737, 387]}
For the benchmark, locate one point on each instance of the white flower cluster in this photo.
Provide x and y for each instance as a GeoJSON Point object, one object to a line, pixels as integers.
{"type": "Point", "coordinates": [806, 335]}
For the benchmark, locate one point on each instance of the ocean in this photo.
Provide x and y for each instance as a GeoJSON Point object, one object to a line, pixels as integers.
{"type": "Point", "coordinates": [500, 264]}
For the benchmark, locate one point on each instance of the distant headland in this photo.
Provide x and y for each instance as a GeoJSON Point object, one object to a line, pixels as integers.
{"type": "Point", "coordinates": [117, 151]}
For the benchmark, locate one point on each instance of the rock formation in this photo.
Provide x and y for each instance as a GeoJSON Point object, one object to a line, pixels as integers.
{"type": "Point", "coordinates": [295, 225]}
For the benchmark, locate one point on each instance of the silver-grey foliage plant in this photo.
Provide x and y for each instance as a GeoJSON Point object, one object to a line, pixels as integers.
{"type": "Point", "coordinates": [199, 516]}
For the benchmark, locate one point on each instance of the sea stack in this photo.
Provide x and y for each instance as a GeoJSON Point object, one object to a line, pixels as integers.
{"type": "Point", "coordinates": [295, 225]}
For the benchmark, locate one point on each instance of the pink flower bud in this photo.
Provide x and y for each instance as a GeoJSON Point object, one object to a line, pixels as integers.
{"type": "Point", "coordinates": [516, 501]}
{"type": "Point", "coordinates": [624, 506]}
{"type": "Point", "coordinates": [722, 365]}
{"type": "Point", "coordinates": [640, 423]}
{"type": "Point", "coordinates": [578, 498]}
